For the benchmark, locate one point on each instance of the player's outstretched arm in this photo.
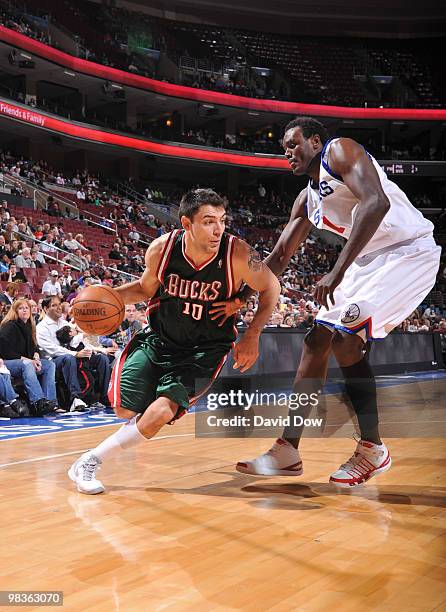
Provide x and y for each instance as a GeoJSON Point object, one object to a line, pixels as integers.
{"type": "Point", "coordinates": [292, 236]}
{"type": "Point", "coordinates": [249, 268]}
{"type": "Point", "coordinates": [294, 233]}
{"type": "Point", "coordinates": [350, 160]}
{"type": "Point", "coordinates": [145, 287]}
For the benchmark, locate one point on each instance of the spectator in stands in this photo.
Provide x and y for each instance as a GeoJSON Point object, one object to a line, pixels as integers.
{"type": "Point", "coordinates": [130, 325]}
{"type": "Point", "coordinates": [430, 312]}
{"type": "Point", "coordinates": [64, 358]}
{"type": "Point", "coordinates": [24, 260]}
{"type": "Point", "coordinates": [70, 243]}
{"type": "Point", "coordinates": [14, 249]}
{"type": "Point", "coordinates": [11, 406]}
{"type": "Point", "coordinates": [12, 290]}
{"type": "Point", "coordinates": [81, 241]}
{"type": "Point", "coordinates": [66, 279]}
{"type": "Point", "coordinates": [134, 234]}
{"type": "Point", "coordinates": [38, 232]}
{"type": "Point", "coordinates": [13, 275]}
{"type": "Point", "coordinates": [66, 311]}
{"type": "Point", "coordinates": [247, 318]}
{"type": "Point", "coordinates": [52, 285]}
{"type": "Point", "coordinates": [80, 194]}
{"type": "Point", "coordinates": [3, 246]}
{"type": "Point", "coordinates": [99, 269]}
{"type": "Point", "coordinates": [48, 245]}
{"type": "Point", "coordinates": [18, 348]}
{"type": "Point", "coordinates": [73, 292]}
{"type": "Point", "coordinates": [25, 231]}
{"type": "Point", "coordinates": [115, 253]}
{"type": "Point", "coordinates": [37, 258]}
{"type": "Point", "coordinates": [5, 210]}
{"type": "Point", "coordinates": [276, 319]}
{"type": "Point", "coordinates": [54, 209]}
{"type": "Point", "coordinates": [35, 312]}
{"type": "Point", "coordinates": [81, 260]}
{"type": "Point", "coordinates": [4, 264]}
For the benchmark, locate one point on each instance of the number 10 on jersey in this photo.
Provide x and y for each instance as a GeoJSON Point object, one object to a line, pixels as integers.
{"type": "Point", "coordinates": [193, 310]}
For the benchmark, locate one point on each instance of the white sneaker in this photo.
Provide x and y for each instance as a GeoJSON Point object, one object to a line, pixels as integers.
{"type": "Point", "coordinates": [367, 461]}
{"type": "Point", "coordinates": [83, 473]}
{"type": "Point", "coordinates": [281, 460]}
{"type": "Point", "coordinates": [78, 406]}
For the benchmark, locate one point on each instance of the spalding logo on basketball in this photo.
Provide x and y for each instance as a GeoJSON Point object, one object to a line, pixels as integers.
{"type": "Point", "coordinates": [350, 314]}
{"type": "Point", "coordinates": [98, 310]}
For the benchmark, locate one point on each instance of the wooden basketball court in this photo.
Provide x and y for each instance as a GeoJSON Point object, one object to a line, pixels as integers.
{"type": "Point", "coordinates": [180, 529]}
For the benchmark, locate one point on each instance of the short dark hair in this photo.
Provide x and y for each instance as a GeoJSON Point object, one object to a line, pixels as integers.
{"type": "Point", "coordinates": [47, 300]}
{"type": "Point", "coordinates": [195, 198]}
{"type": "Point", "coordinates": [309, 127]}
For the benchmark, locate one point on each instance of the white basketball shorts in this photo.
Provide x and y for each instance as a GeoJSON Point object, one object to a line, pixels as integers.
{"type": "Point", "coordinates": [381, 289]}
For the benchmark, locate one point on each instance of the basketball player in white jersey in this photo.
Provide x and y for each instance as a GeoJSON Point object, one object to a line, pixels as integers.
{"type": "Point", "coordinates": [386, 268]}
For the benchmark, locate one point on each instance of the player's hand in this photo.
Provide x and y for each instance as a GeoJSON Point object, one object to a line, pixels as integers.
{"type": "Point", "coordinates": [246, 352]}
{"type": "Point", "coordinates": [84, 353]}
{"type": "Point", "coordinates": [324, 289]}
{"type": "Point", "coordinates": [226, 309]}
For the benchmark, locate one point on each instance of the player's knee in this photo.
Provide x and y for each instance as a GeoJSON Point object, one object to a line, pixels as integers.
{"type": "Point", "coordinates": [156, 416]}
{"type": "Point", "coordinates": [318, 340]}
{"type": "Point", "coordinates": [348, 348]}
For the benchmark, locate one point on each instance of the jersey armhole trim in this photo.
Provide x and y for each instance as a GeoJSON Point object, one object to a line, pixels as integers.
{"type": "Point", "coordinates": [229, 271]}
{"type": "Point", "coordinates": [338, 177]}
{"type": "Point", "coordinates": [325, 163]}
{"type": "Point", "coordinates": [164, 260]}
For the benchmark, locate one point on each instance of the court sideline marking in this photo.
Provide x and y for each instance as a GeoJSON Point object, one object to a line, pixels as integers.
{"type": "Point", "coordinates": [76, 452]}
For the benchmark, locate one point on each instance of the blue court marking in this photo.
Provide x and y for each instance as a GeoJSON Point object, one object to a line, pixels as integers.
{"type": "Point", "coordinates": [22, 428]}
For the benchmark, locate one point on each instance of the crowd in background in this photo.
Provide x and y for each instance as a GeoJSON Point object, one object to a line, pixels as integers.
{"type": "Point", "coordinates": [300, 68]}
{"type": "Point", "coordinates": [54, 349]}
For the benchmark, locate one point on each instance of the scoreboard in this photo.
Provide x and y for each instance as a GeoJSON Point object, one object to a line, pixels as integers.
{"type": "Point", "coordinates": [417, 168]}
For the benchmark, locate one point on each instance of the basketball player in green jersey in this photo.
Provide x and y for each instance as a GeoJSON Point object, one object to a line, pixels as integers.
{"type": "Point", "coordinates": [153, 382]}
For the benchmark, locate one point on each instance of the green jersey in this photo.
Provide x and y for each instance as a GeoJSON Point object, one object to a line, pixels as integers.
{"type": "Point", "coordinates": [179, 312]}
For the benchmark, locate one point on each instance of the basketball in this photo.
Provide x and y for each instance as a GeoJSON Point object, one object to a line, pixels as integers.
{"type": "Point", "coordinates": [98, 310]}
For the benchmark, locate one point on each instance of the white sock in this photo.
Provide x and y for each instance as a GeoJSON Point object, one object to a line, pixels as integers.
{"type": "Point", "coordinates": [127, 436]}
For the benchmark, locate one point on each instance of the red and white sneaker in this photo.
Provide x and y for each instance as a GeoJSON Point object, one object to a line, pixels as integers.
{"type": "Point", "coordinates": [367, 461]}
{"type": "Point", "coordinates": [281, 460]}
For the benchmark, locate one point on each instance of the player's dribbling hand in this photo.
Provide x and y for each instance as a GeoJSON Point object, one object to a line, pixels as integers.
{"type": "Point", "coordinates": [246, 352]}
{"type": "Point", "coordinates": [324, 289]}
{"type": "Point", "coordinates": [224, 310]}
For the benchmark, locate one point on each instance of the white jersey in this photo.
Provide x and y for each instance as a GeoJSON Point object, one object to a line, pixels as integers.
{"type": "Point", "coordinates": [333, 207]}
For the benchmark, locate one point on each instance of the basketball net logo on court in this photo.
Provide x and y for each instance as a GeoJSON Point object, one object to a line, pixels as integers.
{"type": "Point", "coordinates": [350, 314]}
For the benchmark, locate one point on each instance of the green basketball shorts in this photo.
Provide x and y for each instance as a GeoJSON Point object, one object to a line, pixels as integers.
{"type": "Point", "coordinates": [148, 369]}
